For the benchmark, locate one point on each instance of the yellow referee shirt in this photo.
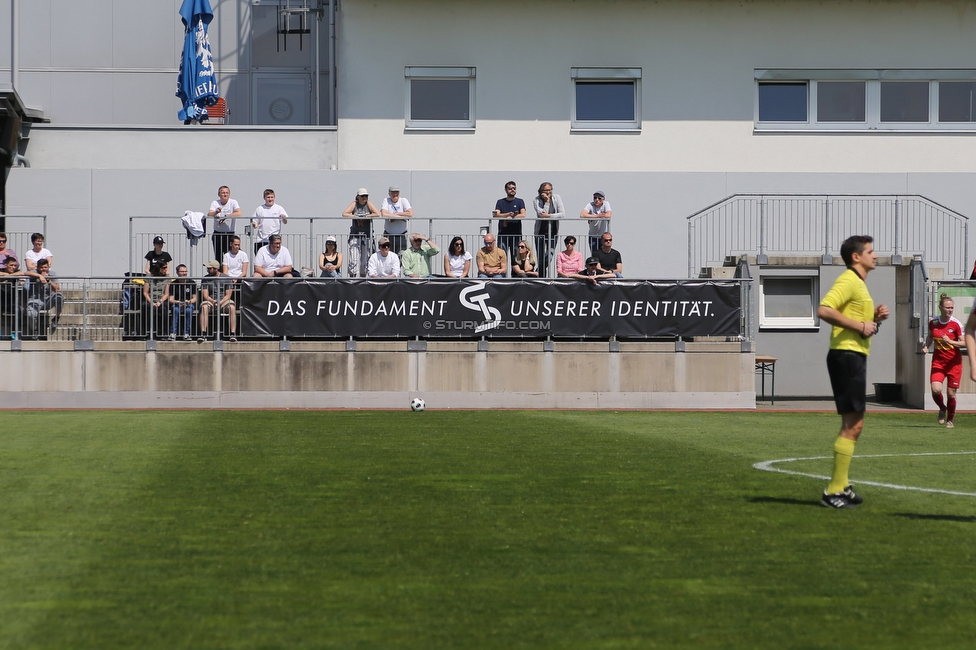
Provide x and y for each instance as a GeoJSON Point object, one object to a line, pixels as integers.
{"type": "Point", "coordinates": [850, 297]}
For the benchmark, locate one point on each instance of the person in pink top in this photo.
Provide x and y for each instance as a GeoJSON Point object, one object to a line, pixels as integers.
{"type": "Point", "coordinates": [569, 261]}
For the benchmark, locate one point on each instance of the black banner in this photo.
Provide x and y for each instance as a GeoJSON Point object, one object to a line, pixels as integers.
{"type": "Point", "coordinates": [435, 308]}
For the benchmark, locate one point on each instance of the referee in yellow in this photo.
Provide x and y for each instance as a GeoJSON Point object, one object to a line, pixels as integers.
{"type": "Point", "coordinates": [849, 308]}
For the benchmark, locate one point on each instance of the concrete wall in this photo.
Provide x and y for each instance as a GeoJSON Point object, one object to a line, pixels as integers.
{"type": "Point", "coordinates": [698, 60]}
{"type": "Point", "coordinates": [379, 375]}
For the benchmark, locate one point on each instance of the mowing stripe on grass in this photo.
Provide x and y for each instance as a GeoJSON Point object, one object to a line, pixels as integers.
{"type": "Point", "coordinates": [767, 466]}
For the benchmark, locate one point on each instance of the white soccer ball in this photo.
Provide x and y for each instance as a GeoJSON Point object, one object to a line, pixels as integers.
{"type": "Point", "coordinates": [417, 404]}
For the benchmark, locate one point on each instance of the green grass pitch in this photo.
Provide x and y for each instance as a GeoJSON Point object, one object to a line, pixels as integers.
{"type": "Point", "coordinates": [494, 529]}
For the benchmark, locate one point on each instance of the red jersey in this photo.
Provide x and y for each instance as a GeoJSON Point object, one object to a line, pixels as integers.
{"type": "Point", "coordinates": [943, 353]}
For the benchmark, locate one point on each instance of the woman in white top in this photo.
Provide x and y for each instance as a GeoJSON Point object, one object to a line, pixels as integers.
{"type": "Point", "coordinates": [457, 262]}
{"type": "Point", "coordinates": [38, 253]}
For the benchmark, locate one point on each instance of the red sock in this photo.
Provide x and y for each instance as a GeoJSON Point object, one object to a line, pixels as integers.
{"type": "Point", "coordinates": [951, 411]}
{"type": "Point", "coordinates": [938, 401]}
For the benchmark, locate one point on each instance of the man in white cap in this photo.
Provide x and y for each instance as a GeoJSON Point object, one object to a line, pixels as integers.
{"type": "Point", "coordinates": [396, 210]}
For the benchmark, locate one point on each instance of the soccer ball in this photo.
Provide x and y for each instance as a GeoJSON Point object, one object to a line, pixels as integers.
{"type": "Point", "coordinates": [417, 404]}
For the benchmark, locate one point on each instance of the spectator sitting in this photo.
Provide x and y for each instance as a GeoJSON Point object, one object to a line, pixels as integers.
{"type": "Point", "coordinates": [38, 252]}
{"type": "Point", "coordinates": [396, 229]}
{"type": "Point", "coordinates": [330, 262]}
{"type": "Point", "coordinates": [569, 261]}
{"type": "Point", "coordinates": [381, 263]}
{"type": "Point", "coordinates": [492, 260]}
{"type": "Point", "coordinates": [157, 255]}
{"type": "Point", "coordinates": [609, 258]}
{"type": "Point", "coordinates": [524, 263]}
{"type": "Point", "coordinates": [416, 259]}
{"type": "Point", "coordinates": [361, 211]}
{"type": "Point", "coordinates": [235, 260]}
{"type": "Point", "coordinates": [11, 300]}
{"type": "Point", "coordinates": [274, 260]}
{"type": "Point", "coordinates": [44, 296]}
{"type": "Point", "coordinates": [592, 272]}
{"type": "Point", "coordinates": [457, 262]}
{"type": "Point", "coordinates": [509, 209]}
{"type": "Point", "coordinates": [5, 253]}
{"type": "Point", "coordinates": [156, 298]}
{"type": "Point", "coordinates": [216, 293]}
{"type": "Point", "coordinates": [183, 296]}
{"type": "Point", "coordinates": [598, 208]}
{"type": "Point", "coordinates": [267, 219]}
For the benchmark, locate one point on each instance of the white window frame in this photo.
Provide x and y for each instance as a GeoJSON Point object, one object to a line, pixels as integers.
{"type": "Point", "coordinates": [790, 323]}
{"type": "Point", "coordinates": [872, 97]}
{"type": "Point", "coordinates": [439, 73]}
{"type": "Point", "coordinates": [608, 75]}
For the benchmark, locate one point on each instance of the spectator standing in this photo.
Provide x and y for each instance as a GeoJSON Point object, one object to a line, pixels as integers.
{"type": "Point", "coordinates": [156, 295]}
{"type": "Point", "coordinates": [216, 294]}
{"type": "Point", "coordinates": [5, 253]}
{"type": "Point", "coordinates": [569, 261]}
{"type": "Point", "coordinates": [396, 210]}
{"type": "Point", "coordinates": [416, 259]}
{"type": "Point", "coordinates": [362, 212]}
{"type": "Point", "coordinates": [381, 263]}
{"type": "Point", "coordinates": [609, 258]}
{"type": "Point", "coordinates": [457, 262]}
{"type": "Point", "coordinates": [509, 209]}
{"type": "Point", "coordinates": [226, 210]}
{"type": "Point", "coordinates": [157, 255]}
{"type": "Point", "coordinates": [524, 262]}
{"type": "Point", "coordinates": [547, 207]}
{"type": "Point", "coordinates": [330, 262]}
{"type": "Point", "coordinates": [597, 208]}
{"type": "Point", "coordinates": [38, 252]}
{"type": "Point", "coordinates": [274, 260]}
{"type": "Point", "coordinates": [183, 297]}
{"type": "Point", "coordinates": [492, 260]}
{"type": "Point", "coordinates": [44, 295]}
{"type": "Point", "coordinates": [235, 260]}
{"type": "Point", "coordinates": [267, 220]}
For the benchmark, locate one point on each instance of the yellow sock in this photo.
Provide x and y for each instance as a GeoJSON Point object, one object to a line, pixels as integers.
{"type": "Point", "coordinates": [843, 452]}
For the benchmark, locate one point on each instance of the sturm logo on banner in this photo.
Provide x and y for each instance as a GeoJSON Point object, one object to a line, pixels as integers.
{"type": "Point", "coordinates": [478, 302]}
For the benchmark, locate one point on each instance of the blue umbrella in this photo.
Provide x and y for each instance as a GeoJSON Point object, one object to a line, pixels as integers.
{"type": "Point", "coordinates": [196, 86]}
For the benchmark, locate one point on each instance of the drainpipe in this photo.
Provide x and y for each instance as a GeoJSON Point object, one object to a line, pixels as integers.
{"type": "Point", "coordinates": [14, 43]}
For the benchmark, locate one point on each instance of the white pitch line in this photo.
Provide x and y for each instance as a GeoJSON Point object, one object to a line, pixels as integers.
{"type": "Point", "coordinates": [767, 466]}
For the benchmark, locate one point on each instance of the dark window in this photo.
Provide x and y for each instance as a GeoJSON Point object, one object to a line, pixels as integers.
{"type": "Point", "coordinates": [840, 101]}
{"type": "Point", "coordinates": [440, 100]}
{"type": "Point", "coordinates": [786, 102]}
{"type": "Point", "coordinates": [904, 101]}
{"type": "Point", "coordinates": [605, 101]}
{"type": "Point", "coordinates": [956, 100]}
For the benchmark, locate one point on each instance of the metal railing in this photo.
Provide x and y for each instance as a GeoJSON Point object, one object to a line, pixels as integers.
{"type": "Point", "coordinates": [809, 225]}
{"type": "Point", "coordinates": [116, 309]}
{"type": "Point", "coordinates": [304, 237]}
{"type": "Point", "coordinates": [19, 229]}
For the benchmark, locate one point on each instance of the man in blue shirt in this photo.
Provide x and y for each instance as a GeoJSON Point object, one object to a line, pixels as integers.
{"type": "Point", "coordinates": [509, 209]}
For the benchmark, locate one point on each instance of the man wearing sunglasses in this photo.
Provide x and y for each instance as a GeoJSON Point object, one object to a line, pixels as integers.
{"type": "Point", "coordinates": [383, 263]}
{"type": "Point", "coordinates": [609, 257]}
{"type": "Point", "coordinates": [598, 212]}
